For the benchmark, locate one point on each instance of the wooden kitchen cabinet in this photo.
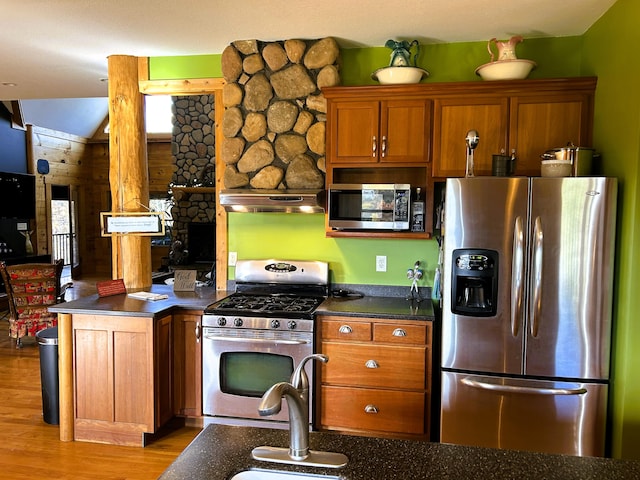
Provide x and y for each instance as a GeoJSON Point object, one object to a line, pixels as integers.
{"type": "Point", "coordinates": [538, 123]}
{"type": "Point", "coordinates": [378, 378]}
{"type": "Point", "coordinates": [525, 117]}
{"type": "Point", "coordinates": [187, 363]}
{"type": "Point", "coordinates": [453, 118]}
{"type": "Point", "coordinates": [372, 131]}
{"type": "Point", "coordinates": [379, 135]}
{"type": "Point", "coordinates": [122, 383]}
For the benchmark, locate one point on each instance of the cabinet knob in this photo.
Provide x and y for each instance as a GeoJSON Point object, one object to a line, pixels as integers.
{"type": "Point", "coordinates": [345, 329]}
{"type": "Point", "coordinates": [384, 146]}
{"type": "Point", "coordinates": [374, 150]}
{"type": "Point", "coordinates": [371, 409]}
{"type": "Point", "coordinates": [399, 332]}
{"type": "Point", "coordinates": [371, 364]}
{"type": "Point", "coordinates": [197, 332]}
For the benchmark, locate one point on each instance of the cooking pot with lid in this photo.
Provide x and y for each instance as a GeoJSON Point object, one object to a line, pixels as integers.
{"type": "Point", "coordinates": [581, 158]}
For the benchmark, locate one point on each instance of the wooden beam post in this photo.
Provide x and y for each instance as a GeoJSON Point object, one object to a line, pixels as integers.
{"type": "Point", "coordinates": [128, 169]}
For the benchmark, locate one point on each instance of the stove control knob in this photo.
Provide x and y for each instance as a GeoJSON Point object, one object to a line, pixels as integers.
{"type": "Point", "coordinates": [291, 325]}
{"type": "Point", "coordinates": [222, 321]}
{"type": "Point", "coordinates": [275, 323]}
{"type": "Point", "coordinates": [237, 322]}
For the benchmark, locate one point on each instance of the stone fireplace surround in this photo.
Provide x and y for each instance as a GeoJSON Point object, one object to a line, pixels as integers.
{"type": "Point", "coordinates": [193, 179]}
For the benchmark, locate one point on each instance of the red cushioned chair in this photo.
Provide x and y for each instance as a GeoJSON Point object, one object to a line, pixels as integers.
{"type": "Point", "coordinates": [31, 288]}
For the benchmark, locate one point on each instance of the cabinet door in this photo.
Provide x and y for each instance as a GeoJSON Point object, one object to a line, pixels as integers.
{"type": "Point", "coordinates": [453, 118]}
{"type": "Point", "coordinates": [404, 135]}
{"type": "Point", "coordinates": [113, 362]}
{"type": "Point", "coordinates": [163, 354]}
{"type": "Point", "coordinates": [187, 366]}
{"type": "Point", "coordinates": [538, 123]}
{"type": "Point", "coordinates": [353, 135]}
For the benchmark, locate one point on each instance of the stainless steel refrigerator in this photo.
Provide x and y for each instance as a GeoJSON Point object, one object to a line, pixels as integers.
{"type": "Point", "coordinates": [526, 316]}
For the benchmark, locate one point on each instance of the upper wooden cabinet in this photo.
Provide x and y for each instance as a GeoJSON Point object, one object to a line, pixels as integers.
{"type": "Point", "coordinates": [454, 117]}
{"type": "Point", "coordinates": [416, 133]}
{"type": "Point", "coordinates": [523, 117]}
{"type": "Point", "coordinates": [540, 122]}
{"type": "Point", "coordinates": [380, 135]}
{"type": "Point", "coordinates": [374, 131]}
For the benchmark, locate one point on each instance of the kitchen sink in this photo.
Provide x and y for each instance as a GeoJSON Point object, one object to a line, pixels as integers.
{"type": "Point", "coordinates": [278, 475]}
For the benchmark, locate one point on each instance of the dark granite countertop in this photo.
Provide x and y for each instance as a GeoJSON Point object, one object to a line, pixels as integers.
{"type": "Point", "coordinates": [221, 451]}
{"type": "Point", "coordinates": [378, 307]}
{"type": "Point", "coordinates": [366, 306]}
{"type": "Point", "coordinates": [124, 305]}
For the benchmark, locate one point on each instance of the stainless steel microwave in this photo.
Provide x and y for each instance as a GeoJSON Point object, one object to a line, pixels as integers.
{"type": "Point", "coordinates": [379, 206]}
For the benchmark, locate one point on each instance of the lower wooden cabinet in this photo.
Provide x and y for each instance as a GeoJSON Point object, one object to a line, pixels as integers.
{"type": "Point", "coordinates": [122, 377]}
{"type": "Point", "coordinates": [378, 378]}
{"type": "Point", "coordinates": [187, 363]}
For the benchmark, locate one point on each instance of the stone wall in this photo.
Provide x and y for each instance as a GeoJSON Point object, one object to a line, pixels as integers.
{"type": "Point", "coordinates": [275, 114]}
{"type": "Point", "coordinates": [193, 155]}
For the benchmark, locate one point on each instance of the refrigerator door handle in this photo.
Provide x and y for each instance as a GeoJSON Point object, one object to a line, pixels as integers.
{"type": "Point", "coordinates": [517, 275]}
{"type": "Point", "coordinates": [501, 388]}
{"type": "Point", "coordinates": [536, 276]}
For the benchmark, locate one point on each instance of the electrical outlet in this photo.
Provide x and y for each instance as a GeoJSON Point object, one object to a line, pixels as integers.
{"type": "Point", "coordinates": [233, 258]}
{"type": "Point", "coordinates": [381, 263]}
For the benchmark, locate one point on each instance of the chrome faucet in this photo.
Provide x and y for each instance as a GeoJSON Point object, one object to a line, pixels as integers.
{"type": "Point", "coordinates": [296, 392]}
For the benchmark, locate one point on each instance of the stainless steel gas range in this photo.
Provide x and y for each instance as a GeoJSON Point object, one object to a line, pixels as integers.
{"type": "Point", "coordinates": [256, 337]}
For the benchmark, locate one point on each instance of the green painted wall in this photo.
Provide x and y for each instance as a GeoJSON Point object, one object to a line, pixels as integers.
{"type": "Point", "coordinates": [609, 45]}
{"type": "Point", "coordinates": [301, 237]}
{"type": "Point", "coordinates": [609, 51]}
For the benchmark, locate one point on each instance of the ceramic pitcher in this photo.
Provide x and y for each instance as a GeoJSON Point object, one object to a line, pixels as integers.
{"type": "Point", "coordinates": [506, 48]}
{"type": "Point", "coordinates": [401, 53]}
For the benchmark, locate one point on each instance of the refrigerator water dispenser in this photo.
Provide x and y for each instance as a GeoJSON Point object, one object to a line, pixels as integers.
{"type": "Point", "coordinates": [475, 282]}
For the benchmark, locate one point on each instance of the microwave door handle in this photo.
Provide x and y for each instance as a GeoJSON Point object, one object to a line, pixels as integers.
{"type": "Point", "coordinates": [517, 276]}
{"type": "Point", "coordinates": [536, 277]}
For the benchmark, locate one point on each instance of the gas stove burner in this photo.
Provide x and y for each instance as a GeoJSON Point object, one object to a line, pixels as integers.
{"type": "Point", "coordinates": [271, 305]}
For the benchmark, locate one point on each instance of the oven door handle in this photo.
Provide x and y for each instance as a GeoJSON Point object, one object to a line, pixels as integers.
{"type": "Point", "coordinates": [257, 340]}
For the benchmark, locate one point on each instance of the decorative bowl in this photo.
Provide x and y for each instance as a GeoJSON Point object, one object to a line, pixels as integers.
{"type": "Point", "coordinates": [506, 69]}
{"type": "Point", "coordinates": [399, 75]}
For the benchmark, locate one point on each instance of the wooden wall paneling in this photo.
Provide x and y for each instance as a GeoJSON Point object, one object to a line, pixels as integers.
{"type": "Point", "coordinates": [65, 153]}
{"type": "Point", "coordinates": [160, 165]}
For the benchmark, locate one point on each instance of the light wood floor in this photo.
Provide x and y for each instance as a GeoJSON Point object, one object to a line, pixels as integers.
{"type": "Point", "coordinates": [31, 449]}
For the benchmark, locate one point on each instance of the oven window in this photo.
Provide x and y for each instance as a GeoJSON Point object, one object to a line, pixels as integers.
{"type": "Point", "coordinates": [250, 374]}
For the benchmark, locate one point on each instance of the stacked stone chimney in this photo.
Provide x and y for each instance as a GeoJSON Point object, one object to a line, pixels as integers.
{"type": "Point", "coordinates": [275, 114]}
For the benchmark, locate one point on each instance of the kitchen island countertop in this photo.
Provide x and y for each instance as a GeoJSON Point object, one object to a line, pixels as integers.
{"type": "Point", "coordinates": [125, 305]}
{"type": "Point", "coordinates": [220, 451]}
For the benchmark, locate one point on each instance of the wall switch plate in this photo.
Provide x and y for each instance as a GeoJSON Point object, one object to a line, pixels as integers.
{"type": "Point", "coordinates": [233, 258]}
{"type": "Point", "coordinates": [381, 263]}
{"type": "Point", "coordinates": [22, 226]}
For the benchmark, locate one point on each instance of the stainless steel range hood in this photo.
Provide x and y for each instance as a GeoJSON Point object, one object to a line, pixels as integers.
{"type": "Point", "coordinates": [286, 201]}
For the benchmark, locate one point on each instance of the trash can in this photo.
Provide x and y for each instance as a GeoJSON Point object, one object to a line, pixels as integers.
{"type": "Point", "coordinates": [48, 346]}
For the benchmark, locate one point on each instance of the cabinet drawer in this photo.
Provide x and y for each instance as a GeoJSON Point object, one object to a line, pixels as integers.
{"type": "Point", "coordinates": [346, 330]}
{"type": "Point", "coordinates": [375, 366]}
{"type": "Point", "coordinates": [401, 334]}
{"type": "Point", "coordinates": [369, 409]}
